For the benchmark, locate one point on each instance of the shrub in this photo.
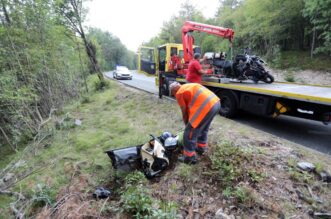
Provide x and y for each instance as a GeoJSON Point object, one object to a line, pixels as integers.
{"type": "Point", "coordinates": [228, 159]}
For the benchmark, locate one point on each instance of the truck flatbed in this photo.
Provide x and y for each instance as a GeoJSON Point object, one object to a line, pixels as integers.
{"type": "Point", "coordinates": [307, 93]}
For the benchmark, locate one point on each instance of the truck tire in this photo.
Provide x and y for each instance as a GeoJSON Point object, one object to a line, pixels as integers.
{"type": "Point", "coordinates": [166, 85]}
{"type": "Point", "coordinates": [229, 106]}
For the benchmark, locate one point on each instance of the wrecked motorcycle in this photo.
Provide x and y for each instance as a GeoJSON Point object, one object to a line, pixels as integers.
{"type": "Point", "coordinates": [152, 157]}
{"type": "Point", "coordinates": [243, 67]}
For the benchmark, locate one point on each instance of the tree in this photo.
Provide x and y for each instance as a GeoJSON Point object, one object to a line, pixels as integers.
{"type": "Point", "coordinates": [319, 14]}
{"type": "Point", "coordinates": [73, 13]}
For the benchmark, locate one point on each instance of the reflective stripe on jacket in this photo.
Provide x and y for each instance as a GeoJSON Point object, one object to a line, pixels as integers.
{"type": "Point", "coordinates": [196, 100]}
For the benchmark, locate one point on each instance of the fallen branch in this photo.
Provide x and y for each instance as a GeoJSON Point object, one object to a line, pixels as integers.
{"type": "Point", "coordinates": [17, 194]}
{"type": "Point", "coordinates": [18, 213]}
{"type": "Point", "coordinates": [102, 207]}
{"type": "Point", "coordinates": [25, 176]}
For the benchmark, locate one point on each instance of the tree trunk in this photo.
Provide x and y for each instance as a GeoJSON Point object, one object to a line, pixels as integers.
{"type": "Point", "coordinates": [7, 139]}
{"type": "Point", "coordinates": [4, 9]}
{"type": "Point", "coordinates": [91, 53]}
{"type": "Point", "coordinates": [313, 43]}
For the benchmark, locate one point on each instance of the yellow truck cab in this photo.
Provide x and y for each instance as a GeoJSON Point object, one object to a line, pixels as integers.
{"type": "Point", "coordinates": [151, 60]}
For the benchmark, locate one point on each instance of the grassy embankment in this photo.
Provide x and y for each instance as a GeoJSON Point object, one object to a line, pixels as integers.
{"type": "Point", "coordinates": [246, 173]}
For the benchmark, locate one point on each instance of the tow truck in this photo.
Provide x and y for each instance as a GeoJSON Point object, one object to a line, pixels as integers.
{"type": "Point", "coordinates": [279, 98]}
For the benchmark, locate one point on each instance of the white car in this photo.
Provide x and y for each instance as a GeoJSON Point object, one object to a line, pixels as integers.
{"type": "Point", "coordinates": [122, 72]}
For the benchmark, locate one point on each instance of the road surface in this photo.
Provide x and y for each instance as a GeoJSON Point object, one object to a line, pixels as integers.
{"type": "Point", "coordinates": [308, 133]}
{"type": "Point", "coordinates": [140, 81]}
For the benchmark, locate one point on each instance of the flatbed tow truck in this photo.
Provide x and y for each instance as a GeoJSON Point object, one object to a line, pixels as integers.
{"type": "Point", "coordinates": [279, 98]}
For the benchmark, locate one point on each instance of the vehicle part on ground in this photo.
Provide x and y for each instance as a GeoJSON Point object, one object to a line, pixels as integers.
{"type": "Point", "coordinates": [152, 157]}
{"type": "Point", "coordinates": [101, 193]}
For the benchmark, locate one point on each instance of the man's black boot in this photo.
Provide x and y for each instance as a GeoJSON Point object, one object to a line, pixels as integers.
{"type": "Point", "coordinates": [201, 151]}
{"type": "Point", "coordinates": [188, 160]}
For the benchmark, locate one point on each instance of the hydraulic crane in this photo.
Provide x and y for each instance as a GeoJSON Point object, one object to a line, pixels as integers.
{"type": "Point", "coordinates": [188, 39]}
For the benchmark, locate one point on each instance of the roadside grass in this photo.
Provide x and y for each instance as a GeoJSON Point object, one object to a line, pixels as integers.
{"type": "Point", "coordinates": [111, 118]}
{"type": "Point", "coordinates": [301, 59]}
{"type": "Point", "coordinates": [246, 170]}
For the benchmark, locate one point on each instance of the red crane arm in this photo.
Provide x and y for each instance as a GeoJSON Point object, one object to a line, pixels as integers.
{"type": "Point", "coordinates": [188, 40]}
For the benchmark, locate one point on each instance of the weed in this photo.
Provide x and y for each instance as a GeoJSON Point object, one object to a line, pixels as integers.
{"type": "Point", "coordinates": [167, 210]}
{"type": "Point", "coordinates": [319, 167]}
{"type": "Point", "coordinates": [296, 174]}
{"type": "Point", "coordinates": [227, 192]}
{"type": "Point", "coordinates": [242, 194]}
{"type": "Point", "coordinates": [289, 77]}
{"type": "Point", "coordinates": [228, 159]}
{"type": "Point", "coordinates": [134, 179]}
{"type": "Point", "coordinates": [101, 85]}
{"type": "Point", "coordinates": [85, 99]}
{"type": "Point", "coordinates": [185, 172]}
{"type": "Point", "coordinates": [137, 201]}
{"type": "Point", "coordinates": [42, 196]}
{"type": "Point", "coordinates": [256, 176]}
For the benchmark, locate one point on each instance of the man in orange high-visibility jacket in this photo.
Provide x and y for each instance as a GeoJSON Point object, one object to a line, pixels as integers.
{"type": "Point", "coordinates": [199, 106]}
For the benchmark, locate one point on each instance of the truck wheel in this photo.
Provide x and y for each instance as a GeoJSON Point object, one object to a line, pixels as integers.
{"type": "Point", "coordinates": [228, 104]}
{"type": "Point", "coordinates": [165, 87]}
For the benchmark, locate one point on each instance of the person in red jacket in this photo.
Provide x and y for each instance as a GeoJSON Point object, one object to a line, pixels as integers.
{"type": "Point", "coordinates": [199, 106]}
{"type": "Point", "coordinates": [195, 70]}
{"type": "Point", "coordinates": [175, 62]}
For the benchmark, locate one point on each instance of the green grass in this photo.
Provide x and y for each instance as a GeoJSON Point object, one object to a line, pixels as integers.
{"type": "Point", "coordinates": [111, 118]}
{"type": "Point", "coordinates": [299, 60]}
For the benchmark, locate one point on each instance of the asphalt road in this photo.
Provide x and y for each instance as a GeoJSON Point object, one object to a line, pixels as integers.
{"type": "Point", "coordinates": [308, 133]}
{"type": "Point", "coordinates": [140, 81]}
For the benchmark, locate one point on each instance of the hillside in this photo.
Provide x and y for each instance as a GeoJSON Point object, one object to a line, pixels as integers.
{"type": "Point", "coordinates": [246, 174]}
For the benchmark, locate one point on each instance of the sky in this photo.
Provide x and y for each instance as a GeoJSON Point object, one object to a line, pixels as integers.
{"type": "Point", "coordinates": [137, 21]}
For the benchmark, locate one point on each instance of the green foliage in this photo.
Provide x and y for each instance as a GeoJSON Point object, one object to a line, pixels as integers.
{"type": "Point", "coordinates": [296, 174]}
{"type": "Point", "coordinates": [268, 27]}
{"type": "Point", "coordinates": [319, 12]}
{"type": "Point", "coordinates": [289, 76]}
{"type": "Point", "coordinates": [42, 196]}
{"type": "Point", "coordinates": [40, 67]}
{"type": "Point", "coordinates": [137, 200]}
{"type": "Point", "coordinates": [302, 60]}
{"type": "Point", "coordinates": [112, 51]}
{"type": "Point", "coordinates": [101, 85]}
{"type": "Point", "coordinates": [241, 193]}
{"type": "Point", "coordinates": [227, 159]}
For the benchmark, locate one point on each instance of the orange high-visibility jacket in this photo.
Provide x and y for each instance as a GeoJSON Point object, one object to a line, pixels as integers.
{"type": "Point", "coordinates": [196, 100]}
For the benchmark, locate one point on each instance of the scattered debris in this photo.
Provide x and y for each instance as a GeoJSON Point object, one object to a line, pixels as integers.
{"type": "Point", "coordinates": [78, 122]}
{"type": "Point", "coordinates": [8, 177]}
{"type": "Point", "coordinates": [101, 193]}
{"type": "Point", "coordinates": [221, 215]}
{"type": "Point", "coordinates": [322, 215]}
{"type": "Point", "coordinates": [325, 176]}
{"type": "Point", "coordinates": [306, 166]}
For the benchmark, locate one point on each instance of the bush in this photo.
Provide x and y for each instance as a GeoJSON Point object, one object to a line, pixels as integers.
{"type": "Point", "coordinates": [101, 85]}
{"type": "Point", "coordinates": [289, 77]}
{"type": "Point", "coordinates": [138, 202]}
